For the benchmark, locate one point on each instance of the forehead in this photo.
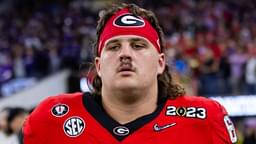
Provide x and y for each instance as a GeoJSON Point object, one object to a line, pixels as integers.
{"type": "Point", "coordinates": [129, 38]}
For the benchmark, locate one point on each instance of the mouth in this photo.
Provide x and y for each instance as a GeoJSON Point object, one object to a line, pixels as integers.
{"type": "Point", "coordinates": [126, 68]}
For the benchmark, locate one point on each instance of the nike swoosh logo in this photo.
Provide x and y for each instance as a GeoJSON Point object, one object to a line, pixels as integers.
{"type": "Point", "coordinates": [159, 128]}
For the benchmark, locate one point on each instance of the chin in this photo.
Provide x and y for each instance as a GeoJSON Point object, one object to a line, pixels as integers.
{"type": "Point", "coordinates": [126, 85]}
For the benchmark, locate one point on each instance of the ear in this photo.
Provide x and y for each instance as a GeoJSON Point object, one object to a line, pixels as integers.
{"type": "Point", "coordinates": [97, 65]}
{"type": "Point", "coordinates": [161, 63]}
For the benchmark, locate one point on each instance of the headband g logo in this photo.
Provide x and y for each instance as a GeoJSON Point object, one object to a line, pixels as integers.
{"type": "Point", "coordinates": [129, 20]}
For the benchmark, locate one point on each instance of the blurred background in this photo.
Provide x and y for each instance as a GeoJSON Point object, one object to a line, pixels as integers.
{"type": "Point", "coordinates": [46, 49]}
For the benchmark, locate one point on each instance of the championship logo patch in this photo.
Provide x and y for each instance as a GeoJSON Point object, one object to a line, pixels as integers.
{"type": "Point", "coordinates": [60, 110]}
{"type": "Point", "coordinates": [129, 20]}
{"type": "Point", "coordinates": [74, 126]}
{"type": "Point", "coordinates": [189, 112]}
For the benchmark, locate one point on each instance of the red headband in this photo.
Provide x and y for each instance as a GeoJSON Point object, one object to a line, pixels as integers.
{"type": "Point", "coordinates": [126, 23]}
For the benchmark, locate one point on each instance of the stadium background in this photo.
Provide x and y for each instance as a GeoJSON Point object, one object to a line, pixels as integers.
{"type": "Point", "coordinates": [211, 48]}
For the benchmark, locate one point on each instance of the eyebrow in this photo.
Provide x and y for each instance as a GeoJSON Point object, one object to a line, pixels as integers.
{"type": "Point", "coordinates": [112, 41]}
{"type": "Point", "coordinates": [137, 40]}
{"type": "Point", "coordinates": [130, 40]}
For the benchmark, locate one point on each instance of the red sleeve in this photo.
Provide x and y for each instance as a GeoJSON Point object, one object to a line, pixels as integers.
{"type": "Point", "coordinates": [35, 127]}
{"type": "Point", "coordinates": [223, 130]}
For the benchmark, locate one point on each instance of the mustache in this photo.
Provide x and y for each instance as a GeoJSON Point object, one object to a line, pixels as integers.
{"type": "Point", "coordinates": [125, 66]}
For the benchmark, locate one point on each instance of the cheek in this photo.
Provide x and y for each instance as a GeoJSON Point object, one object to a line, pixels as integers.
{"type": "Point", "coordinates": [105, 57]}
{"type": "Point", "coordinates": [107, 62]}
{"type": "Point", "coordinates": [149, 62]}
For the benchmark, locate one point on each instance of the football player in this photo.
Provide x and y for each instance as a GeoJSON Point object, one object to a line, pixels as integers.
{"type": "Point", "coordinates": [135, 99]}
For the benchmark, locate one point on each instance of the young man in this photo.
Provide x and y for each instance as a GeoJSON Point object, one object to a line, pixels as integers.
{"type": "Point", "coordinates": [135, 99]}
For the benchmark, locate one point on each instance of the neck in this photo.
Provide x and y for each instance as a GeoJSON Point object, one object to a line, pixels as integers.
{"type": "Point", "coordinates": [125, 107]}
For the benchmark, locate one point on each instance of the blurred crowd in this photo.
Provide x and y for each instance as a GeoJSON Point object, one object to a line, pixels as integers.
{"type": "Point", "coordinates": [39, 38]}
{"type": "Point", "coordinates": [211, 45]}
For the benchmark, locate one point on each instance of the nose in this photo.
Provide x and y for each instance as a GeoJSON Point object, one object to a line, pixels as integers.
{"type": "Point", "coordinates": [125, 59]}
{"type": "Point", "coordinates": [126, 52]}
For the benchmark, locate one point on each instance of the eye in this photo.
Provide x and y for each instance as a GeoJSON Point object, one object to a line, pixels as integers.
{"type": "Point", "coordinates": [139, 46]}
{"type": "Point", "coordinates": [113, 47]}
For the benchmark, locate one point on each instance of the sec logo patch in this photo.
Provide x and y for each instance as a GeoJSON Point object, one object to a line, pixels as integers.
{"type": "Point", "coordinates": [60, 110]}
{"type": "Point", "coordinates": [74, 126]}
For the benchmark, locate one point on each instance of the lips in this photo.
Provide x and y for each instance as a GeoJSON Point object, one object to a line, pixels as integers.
{"type": "Point", "coordinates": [126, 67]}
